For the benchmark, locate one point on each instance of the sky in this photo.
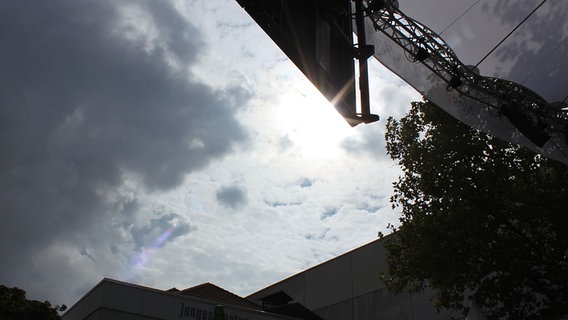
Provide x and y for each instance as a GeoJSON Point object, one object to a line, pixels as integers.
{"type": "Point", "coordinates": [171, 143]}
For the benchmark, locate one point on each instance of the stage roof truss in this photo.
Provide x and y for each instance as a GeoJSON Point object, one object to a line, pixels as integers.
{"type": "Point", "coordinates": [424, 46]}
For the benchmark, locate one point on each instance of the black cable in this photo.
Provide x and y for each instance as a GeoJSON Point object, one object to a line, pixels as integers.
{"type": "Point", "coordinates": [459, 17]}
{"type": "Point", "coordinates": [510, 33]}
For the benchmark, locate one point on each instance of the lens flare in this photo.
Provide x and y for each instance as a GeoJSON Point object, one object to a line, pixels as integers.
{"type": "Point", "coordinates": [142, 257]}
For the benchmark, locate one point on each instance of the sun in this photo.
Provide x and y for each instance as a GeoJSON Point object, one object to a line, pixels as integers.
{"type": "Point", "coordinates": [313, 125]}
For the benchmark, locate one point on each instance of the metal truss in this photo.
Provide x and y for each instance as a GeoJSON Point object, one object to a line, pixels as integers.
{"type": "Point", "coordinates": [423, 45]}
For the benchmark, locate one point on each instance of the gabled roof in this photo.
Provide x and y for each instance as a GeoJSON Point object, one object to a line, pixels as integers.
{"type": "Point", "coordinates": [211, 292]}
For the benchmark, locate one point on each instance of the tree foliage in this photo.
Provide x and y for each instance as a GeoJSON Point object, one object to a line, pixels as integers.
{"type": "Point", "coordinates": [15, 306]}
{"type": "Point", "coordinates": [482, 219]}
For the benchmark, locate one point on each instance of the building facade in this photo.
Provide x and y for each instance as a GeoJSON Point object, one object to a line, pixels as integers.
{"type": "Point", "coordinates": [348, 288]}
{"type": "Point", "coordinates": [344, 288]}
{"type": "Point", "coordinates": [116, 300]}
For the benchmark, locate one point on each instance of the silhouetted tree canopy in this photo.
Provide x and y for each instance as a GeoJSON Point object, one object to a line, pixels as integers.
{"type": "Point", "coordinates": [482, 219]}
{"type": "Point", "coordinates": [15, 306]}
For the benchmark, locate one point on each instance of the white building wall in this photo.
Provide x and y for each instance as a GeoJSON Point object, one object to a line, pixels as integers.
{"type": "Point", "coordinates": [348, 288]}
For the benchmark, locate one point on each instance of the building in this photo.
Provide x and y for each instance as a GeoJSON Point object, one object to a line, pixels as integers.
{"type": "Point", "coordinates": [348, 288]}
{"type": "Point", "coordinates": [343, 288]}
{"type": "Point", "coordinates": [116, 300]}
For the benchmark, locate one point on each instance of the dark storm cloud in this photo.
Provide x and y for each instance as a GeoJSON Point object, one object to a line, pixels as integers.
{"type": "Point", "coordinates": [231, 197]}
{"type": "Point", "coordinates": [86, 101]}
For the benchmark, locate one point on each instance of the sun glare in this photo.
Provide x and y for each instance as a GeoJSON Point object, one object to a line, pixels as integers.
{"type": "Point", "coordinates": [312, 124]}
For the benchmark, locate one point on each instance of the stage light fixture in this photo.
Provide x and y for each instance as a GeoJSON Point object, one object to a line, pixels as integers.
{"type": "Point", "coordinates": [376, 5]}
{"type": "Point", "coordinates": [455, 82]}
{"type": "Point", "coordinates": [530, 128]}
{"type": "Point", "coordinates": [421, 55]}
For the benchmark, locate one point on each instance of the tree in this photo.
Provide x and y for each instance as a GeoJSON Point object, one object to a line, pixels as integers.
{"type": "Point", "coordinates": [482, 220]}
{"type": "Point", "coordinates": [15, 306]}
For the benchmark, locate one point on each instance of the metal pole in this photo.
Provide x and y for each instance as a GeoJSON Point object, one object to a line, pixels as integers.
{"type": "Point", "coordinates": [364, 52]}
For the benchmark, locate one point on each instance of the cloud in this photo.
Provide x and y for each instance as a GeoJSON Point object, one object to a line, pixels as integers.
{"type": "Point", "coordinates": [98, 108]}
{"type": "Point", "coordinates": [126, 133]}
{"type": "Point", "coordinates": [231, 197]}
{"type": "Point", "coordinates": [370, 141]}
{"type": "Point", "coordinates": [329, 213]}
{"type": "Point", "coordinates": [160, 230]}
{"type": "Point", "coordinates": [306, 183]}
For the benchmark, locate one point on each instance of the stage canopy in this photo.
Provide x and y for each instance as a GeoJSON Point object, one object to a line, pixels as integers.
{"type": "Point", "coordinates": [498, 66]}
{"type": "Point", "coordinates": [535, 53]}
